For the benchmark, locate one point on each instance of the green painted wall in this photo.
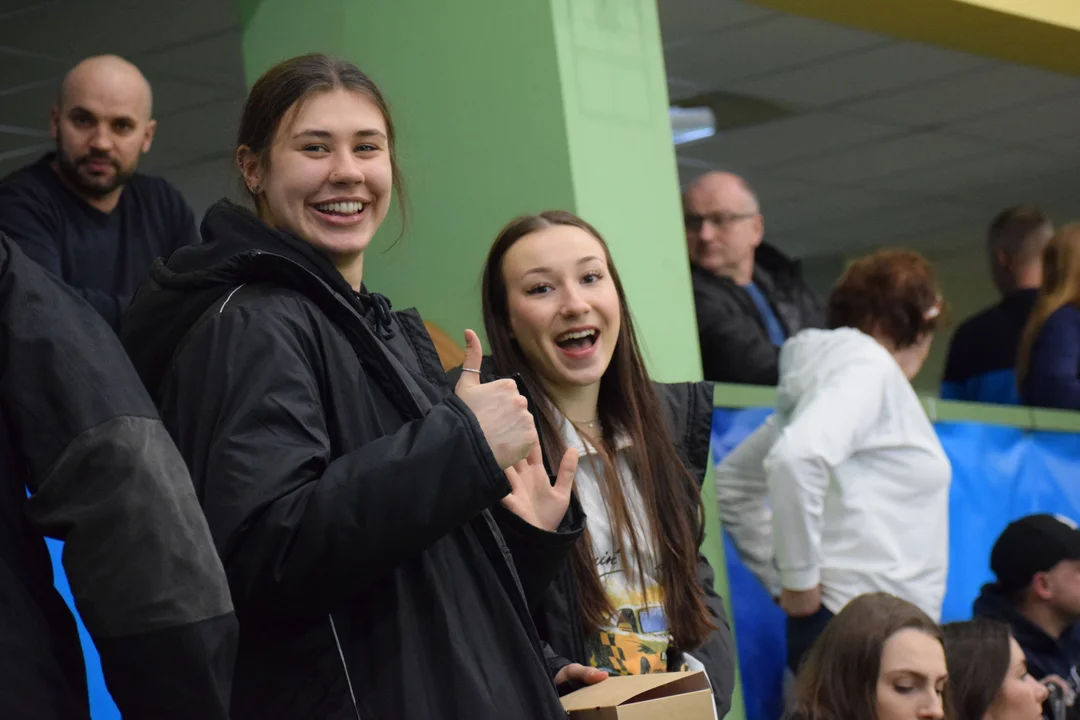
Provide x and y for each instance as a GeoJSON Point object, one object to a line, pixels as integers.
{"type": "Point", "coordinates": [506, 108]}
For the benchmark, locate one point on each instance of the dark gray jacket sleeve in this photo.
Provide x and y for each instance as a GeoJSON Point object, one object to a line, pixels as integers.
{"type": "Point", "coordinates": [105, 478]}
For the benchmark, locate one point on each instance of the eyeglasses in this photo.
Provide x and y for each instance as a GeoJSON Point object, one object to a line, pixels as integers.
{"type": "Point", "coordinates": [720, 221]}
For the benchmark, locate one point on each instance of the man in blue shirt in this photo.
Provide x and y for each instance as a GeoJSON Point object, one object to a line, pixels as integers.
{"type": "Point", "coordinates": [749, 296]}
{"type": "Point", "coordinates": [981, 366]}
{"type": "Point", "coordinates": [83, 212]}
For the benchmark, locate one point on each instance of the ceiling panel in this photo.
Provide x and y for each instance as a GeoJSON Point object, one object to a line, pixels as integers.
{"type": "Point", "coordinates": [903, 154]}
{"type": "Point", "coordinates": [719, 58]}
{"type": "Point", "coordinates": [1034, 124]}
{"type": "Point", "coordinates": [61, 28]}
{"type": "Point", "coordinates": [682, 20]}
{"type": "Point", "coordinates": [961, 176]}
{"type": "Point", "coordinates": [31, 107]}
{"type": "Point", "coordinates": [203, 131]}
{"type": "Point", "coordinates": [18, 68]}
{"type": "Point", "coordinates": [788, 139]}
{"type": "Point", "coordinates": [968, 95]}
{"type": "Point", "coordinates": [871, 72]}
{"type": "Point", "coordinates": [828, 207]}
{"type": "Point", "coordinates": [213, 60]}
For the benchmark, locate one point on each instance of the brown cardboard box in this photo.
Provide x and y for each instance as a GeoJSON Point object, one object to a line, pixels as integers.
{"type": "Point", "coordinates": [664, 696]}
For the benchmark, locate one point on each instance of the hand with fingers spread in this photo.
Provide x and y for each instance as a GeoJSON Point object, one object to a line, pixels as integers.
{"type": "Point", "coordinates": [532, 496]}
{"type": "Point", "coordinates": [503, 412]}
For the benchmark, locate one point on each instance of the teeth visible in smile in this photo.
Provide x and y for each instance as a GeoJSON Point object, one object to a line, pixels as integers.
{"type": "Point", "coordinates": [575, 335]}
{"type": "Point", "coordinates": [341, 208]}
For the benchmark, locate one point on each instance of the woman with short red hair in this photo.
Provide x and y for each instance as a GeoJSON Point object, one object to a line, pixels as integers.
{"type": "Point", "coordinates": [845, 489]}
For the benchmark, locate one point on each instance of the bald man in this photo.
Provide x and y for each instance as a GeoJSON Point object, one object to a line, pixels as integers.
{"type": "Point", "coordinates": [83, 212]}
{"type": "Point", "coordinates": [749, 296]}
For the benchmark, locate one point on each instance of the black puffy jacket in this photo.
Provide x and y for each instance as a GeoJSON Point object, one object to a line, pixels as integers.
{"type": "Point", "coordinates": [347, 489]}
{"type": "Point", "coordinates": [80, 436]}
{"type": "Point", "coordinates": [735, 346]}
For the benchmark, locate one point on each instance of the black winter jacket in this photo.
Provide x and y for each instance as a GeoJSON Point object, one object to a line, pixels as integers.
{"type": "Point", "coordinates": [346, 487]}
{"type": "Point", "coordinates": [688, 411]}
{"type": "Point", "coordinates": [79, 434]}
{"type": "Point", "coordinates": [735, 346]}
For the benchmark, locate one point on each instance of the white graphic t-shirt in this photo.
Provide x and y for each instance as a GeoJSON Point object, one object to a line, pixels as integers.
{"type": "Point", "coordinates": [636, 639]}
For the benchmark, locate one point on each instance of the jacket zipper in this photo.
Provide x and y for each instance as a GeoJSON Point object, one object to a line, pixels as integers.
{"type": "Point", "coordinates": [344, 666]}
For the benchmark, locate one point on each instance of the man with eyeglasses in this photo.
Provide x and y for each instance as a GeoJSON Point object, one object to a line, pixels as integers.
{"type": "Point", "coordinates": [749, 296]}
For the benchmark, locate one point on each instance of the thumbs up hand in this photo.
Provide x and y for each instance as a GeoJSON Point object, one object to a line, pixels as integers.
{"type": "Point", "coordinates": [503, 412]}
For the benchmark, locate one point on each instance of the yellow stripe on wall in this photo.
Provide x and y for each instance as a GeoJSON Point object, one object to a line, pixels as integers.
{"type": "Point", "coordinates": [1039, 33]}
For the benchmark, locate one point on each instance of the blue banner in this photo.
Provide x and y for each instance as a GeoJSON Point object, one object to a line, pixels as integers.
{"type": "Point", "coordinates": [999, 474]}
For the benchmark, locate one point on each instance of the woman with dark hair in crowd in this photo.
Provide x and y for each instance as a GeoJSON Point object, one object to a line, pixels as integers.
{"type": "Point", "coordinates": [1048, 366]}
{"type": "Point", "coordinates": [845, 489]}
{"type": "Point", "coordinates": [988, 675]}
{"type": "Point", "coordinates": [347, 488]}
{"type": "Point", "coordinates": [881, 658]}
{"type": "Point", "coordinates": [637, 596]}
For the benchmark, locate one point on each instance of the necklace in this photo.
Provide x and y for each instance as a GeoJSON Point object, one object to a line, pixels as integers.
{"type": "Point", "coordinates": [591, 424]}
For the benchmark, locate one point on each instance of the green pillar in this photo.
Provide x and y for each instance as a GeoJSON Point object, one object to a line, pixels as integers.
{"type": "Point", "coordinates": [506, 107]}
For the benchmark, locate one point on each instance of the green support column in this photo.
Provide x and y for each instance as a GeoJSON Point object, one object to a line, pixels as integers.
{"type": "Point", "coordinates": [510, 107]}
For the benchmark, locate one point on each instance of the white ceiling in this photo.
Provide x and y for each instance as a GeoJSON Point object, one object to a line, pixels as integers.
{"type": "Point", "coordinates": [879, 141]}
{"type": "Point", "coordinates": [883, 141]}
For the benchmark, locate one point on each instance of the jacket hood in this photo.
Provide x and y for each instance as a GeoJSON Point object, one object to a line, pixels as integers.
{"type": "Point", "coordinates": [992, 603]}
{"type": "Point", "coordinates": [777, 263]}
{"type": "Point", "coordinates": [237, 248]}
{"type": "Point", "coordinates": [810, 358]}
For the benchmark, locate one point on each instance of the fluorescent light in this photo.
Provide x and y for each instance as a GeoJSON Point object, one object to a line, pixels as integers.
{"type": "Point", "coordinates": [690, 124]}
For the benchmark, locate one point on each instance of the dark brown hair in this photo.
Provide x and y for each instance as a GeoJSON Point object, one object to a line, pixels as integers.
{"type": "Point", "coordinates": [891, 292]}
{"type": "Point", "coordinates": [1060, 287]}
{"type": "Point", "coordinates": [839, 676]}
{"type": "Point", "coordinates": [978, 654]}
{"type": "Point", "coordinates": [284, 88]}
{"type": "Point", "coordinates": [1019, 233]}
{"type": "Point", "coordinates": [628, 406]}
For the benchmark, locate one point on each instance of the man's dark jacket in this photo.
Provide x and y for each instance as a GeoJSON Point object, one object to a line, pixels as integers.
{"type": "Point", "coordinates": [735, 346]}
{"type": "Point", "coordinates": [85, 459]}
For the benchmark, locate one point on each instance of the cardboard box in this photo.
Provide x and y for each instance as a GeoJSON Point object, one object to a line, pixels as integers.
{"type": "Point", "coordinates": [667, 696]}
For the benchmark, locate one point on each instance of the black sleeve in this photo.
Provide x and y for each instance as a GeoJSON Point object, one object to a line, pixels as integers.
{"type": "Point", "coordinates": [733, 350]}
{"type": "Point", "coordinates": [105, 478]}
{"type": "Point", "coordinates": [717, 654]}
{"type": "Point", "coordinates": [33, 227]}
{"type": "Point", "coordinates": [302, 528]}
{"type": "Point", "coordinates": [538, 555]}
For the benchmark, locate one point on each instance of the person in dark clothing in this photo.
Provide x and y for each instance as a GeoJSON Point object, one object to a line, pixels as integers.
{"type": "Point", "coordinates": [1037, 593]}
{"type": "Point", "coordinates": [1048, 367]}
{"type": "Point", "coordinates": [351, 492]}
{"type": "Point", "coordinates": [638, 596]}
{"type": "Point", "coordinates": [85, 459]}
{"type": "Point", "coordinates": [82, 212]}
{"type": "Point", "coordinates": [981, 365]}
{"type": "Point", "coordinates": [749, 296]}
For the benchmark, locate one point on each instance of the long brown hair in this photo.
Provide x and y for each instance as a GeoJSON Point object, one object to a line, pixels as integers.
{"type": "Point", "coordinates": [1060, 287]}
{"type": "Point", "coordinates": [627, 406]}
{"type": "Point", "coordinates": [838, 679]}
{"type": "Point", "coordinates": [978, 653]}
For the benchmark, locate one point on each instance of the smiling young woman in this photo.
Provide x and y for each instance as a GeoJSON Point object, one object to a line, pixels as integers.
{"type": "Point", "coordinates": [348, 487]}
{"type": "Point", "coordinates": [637, 596]}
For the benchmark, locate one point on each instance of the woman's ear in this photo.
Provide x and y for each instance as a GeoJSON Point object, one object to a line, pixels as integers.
{"type": "Point", "coordinates": [250, 168]}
